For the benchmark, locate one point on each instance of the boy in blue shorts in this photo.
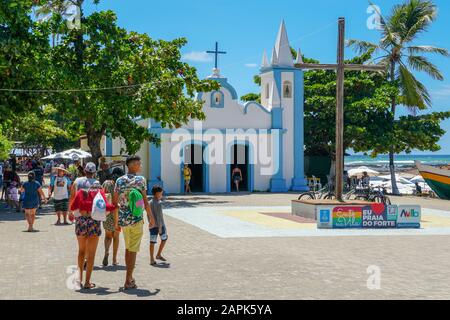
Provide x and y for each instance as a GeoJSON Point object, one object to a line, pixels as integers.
{"type": "Point", "coordinates": [159, 227]}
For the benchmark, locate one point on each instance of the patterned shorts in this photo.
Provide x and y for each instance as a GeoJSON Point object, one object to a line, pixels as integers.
{"type": "Point", "coordinates": [87, 227]}
{"type": "Point", "coordinates": [109, 223]}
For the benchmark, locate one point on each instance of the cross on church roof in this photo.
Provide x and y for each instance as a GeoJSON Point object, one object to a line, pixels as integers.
{"type": "Point", "coordinates": [216, 53]}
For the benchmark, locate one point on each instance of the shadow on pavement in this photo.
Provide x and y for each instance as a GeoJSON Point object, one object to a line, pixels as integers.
{"type": "Point", "coordinates": [140, 292]}
{"type": "Point", "coordinates": [162, 265]}
{"type": "Point", "coordinates": [11, 216]}
{"type": "Point", "coordinates": [100, 291]}
{"type": "Point", "coordinates": [110, 268]}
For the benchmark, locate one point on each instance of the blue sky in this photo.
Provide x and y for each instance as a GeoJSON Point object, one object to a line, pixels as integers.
{"type": "Point", "coordinates": [244, 28]}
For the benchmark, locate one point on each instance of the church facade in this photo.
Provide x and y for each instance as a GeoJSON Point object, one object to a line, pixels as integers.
{"type": "Point", "coordinates": [264, 140]}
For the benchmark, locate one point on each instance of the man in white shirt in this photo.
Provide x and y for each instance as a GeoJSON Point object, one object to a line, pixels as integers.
{"type": "Point", "coordinates": [59, 187]}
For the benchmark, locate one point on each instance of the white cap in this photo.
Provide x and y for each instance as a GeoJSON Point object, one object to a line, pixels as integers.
{"type": "Point", "coordinates": [90, 167]}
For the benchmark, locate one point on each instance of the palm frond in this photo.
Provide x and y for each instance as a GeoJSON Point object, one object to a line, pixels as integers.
{"type": "Point", "coordinates": [428, 49]}
{"type": "Point", "coordinates": [422, 64]}
{"type": "Point", "coordinates": [414, 95]}
{"type": "Point", "coordinates": [418, 16]}
{"type": "Point", "coordinates": [360, 46]}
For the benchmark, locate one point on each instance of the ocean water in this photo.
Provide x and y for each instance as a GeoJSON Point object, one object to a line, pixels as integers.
{"type": "Point", "coordinates": [401, 161]}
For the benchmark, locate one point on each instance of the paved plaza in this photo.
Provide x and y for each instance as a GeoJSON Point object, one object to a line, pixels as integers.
{"type": "Point", "coordinates": [238, 246]}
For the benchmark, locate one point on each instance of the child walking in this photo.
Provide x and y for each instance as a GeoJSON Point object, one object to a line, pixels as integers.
{"type": "Point", "coordinates": [159, 227]}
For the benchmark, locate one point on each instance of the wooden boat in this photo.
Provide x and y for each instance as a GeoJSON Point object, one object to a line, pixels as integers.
{"type": "Point", "coordinates": [437, 179]}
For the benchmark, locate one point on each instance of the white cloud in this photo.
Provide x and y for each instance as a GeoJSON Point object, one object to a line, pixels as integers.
{"type": "Point", "coordinates": [251, 65]}
{"type": "Point", "coordinates": [197, 56]}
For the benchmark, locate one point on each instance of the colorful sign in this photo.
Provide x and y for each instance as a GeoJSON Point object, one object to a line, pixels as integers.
{"type": "Point", "coordinates": [373, 216]}
{"type": "Point", "coordinates": [409, 216]}
{"type": "Point", "coordinates": [346, 217]}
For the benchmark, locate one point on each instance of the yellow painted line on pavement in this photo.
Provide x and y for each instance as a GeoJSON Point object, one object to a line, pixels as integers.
{"type": "Point", "coordinates": [433, 221]}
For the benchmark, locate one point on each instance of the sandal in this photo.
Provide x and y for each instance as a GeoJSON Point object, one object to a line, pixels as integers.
{"type": "Point", "coordinates": [153, 263]}
{"type": "Point", "coordinates": [131, 286]}
{"type": "Point", "coordinates": [161, 258]}
{"type": "Point", "coordinates": [90, 286]}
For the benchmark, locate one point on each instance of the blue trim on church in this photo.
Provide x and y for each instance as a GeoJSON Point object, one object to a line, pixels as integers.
{"type": "Point", "coordinates": [213, 103]}
{"type": "Point", "coordinates": [277, 118]}
{"type": "Point", "coordinates": [108, 145]}
{"type": "Point", "coordinates": [155, 166]}
{"type": "Point", "coordinates": [224, 84]}
{"type": "Point", "coordinates": [278, 183]}
{"type": "Point", "coordinates": [254, 103]}
{"type": "Point", "coordinates": [298, 182]}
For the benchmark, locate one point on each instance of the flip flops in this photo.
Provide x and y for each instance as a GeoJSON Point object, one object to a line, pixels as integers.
{"type": "Point", "coordinates": [131, 286]}
{"type": "Point", "coordinates": [91, 286]}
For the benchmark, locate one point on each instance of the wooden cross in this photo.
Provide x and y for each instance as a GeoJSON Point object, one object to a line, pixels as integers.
{"type": "Point", "coordinates": [216, 53]}
{"type": "Point", "coordinates": [340, 68]}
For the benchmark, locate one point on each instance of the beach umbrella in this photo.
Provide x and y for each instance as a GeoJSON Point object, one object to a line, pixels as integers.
{"type": "Point", "coordinates": [77, 152]}
{"type": "Point", "coordinates": [417, 179]}
{"type": "Point", "coordinates": [398, 178]}
{"type": "Point", "coordinates": [69, 155]}
{"type": "Point", "coordinates": [359, 172]}
{"type": "Point", "coordinates": [59, 155]}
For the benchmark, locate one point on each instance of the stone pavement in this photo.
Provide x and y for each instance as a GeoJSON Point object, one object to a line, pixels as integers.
{"type": "Point", "coordinates": [206, 266]}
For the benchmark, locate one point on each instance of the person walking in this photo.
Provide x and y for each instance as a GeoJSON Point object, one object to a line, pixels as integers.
{"type": "Point", "coordinates": [88, 230]}
{"type": "Point", "coordinates": [85, 181]}
{"type": "Point", "coordinates": [59, 187]}
{"type": "Point", "coordinates": [112, 229]}
{"type": "Point", "coordinates": [237, 177]}
{"type": "Point", "coordinates": [39, 174]}
{"type": "Point", "coordinates": [187, 173]}
{"type": "Point", "coordinates": [159, 228]}
{"type": "Point", "coordinates": [32, 195]}
{"type": "Point", "coordinates": [130, 196]}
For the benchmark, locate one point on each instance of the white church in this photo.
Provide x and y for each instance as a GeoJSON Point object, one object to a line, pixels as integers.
{"type": "Point", "coordinates": [265, 140]}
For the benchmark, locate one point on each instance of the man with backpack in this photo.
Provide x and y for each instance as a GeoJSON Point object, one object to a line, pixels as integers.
{"type": "Point", "coordinates": [130, 196]}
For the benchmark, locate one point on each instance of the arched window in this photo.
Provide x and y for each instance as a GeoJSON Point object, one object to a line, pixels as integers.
{"type": "Point", "coordinates": [267, 91]}
{"type": "Point", "coordinates": [287, 89]}
{"type": "Point", "coordinates": [217, 99]}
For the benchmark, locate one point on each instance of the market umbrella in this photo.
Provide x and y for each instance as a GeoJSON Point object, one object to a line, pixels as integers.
{"type": "Point", "coordinates": [417, 179]}
{"type": "Point", "coordinates": [69, 155]}
{"type": "Point", "coordinates": [78, 152]}
{"type": "Point", "coordinates": [59, 155]}
{"type": "Point", "coordinates": [359, 172]}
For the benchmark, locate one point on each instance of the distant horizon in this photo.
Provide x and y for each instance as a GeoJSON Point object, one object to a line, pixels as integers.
{"type": "Point", "coordinates": [403, 154]}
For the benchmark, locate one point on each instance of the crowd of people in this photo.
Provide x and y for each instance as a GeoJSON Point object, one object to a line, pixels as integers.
{"type": "Point", "coordinates": [93, 200]}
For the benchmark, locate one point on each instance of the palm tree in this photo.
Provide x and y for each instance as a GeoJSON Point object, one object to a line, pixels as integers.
{"type": "Point", "coordinates": [51, 8]}
{"type": "Point", "coordinates": [402, 56]}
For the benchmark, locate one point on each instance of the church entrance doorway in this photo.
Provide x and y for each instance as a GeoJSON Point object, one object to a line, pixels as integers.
{"type": "Point", "coordinates": [193, 157]}
{"type": "Point", "coordinates": [240, 159]}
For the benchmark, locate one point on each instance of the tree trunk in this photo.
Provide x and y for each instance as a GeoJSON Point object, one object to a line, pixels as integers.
{"type": "Point", "coordinates": [94, 138]}
{"type": "Point", "coordinates": [391, 151]}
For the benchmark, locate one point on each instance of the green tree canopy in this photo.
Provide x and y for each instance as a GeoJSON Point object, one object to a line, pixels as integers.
{"type": "Point", "coordinates": [148, 78]}
{"type": "Point", "coordinates": [23, 48]}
